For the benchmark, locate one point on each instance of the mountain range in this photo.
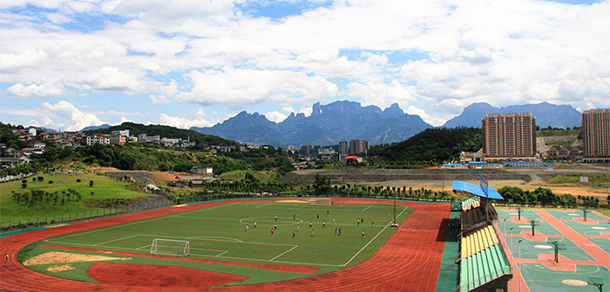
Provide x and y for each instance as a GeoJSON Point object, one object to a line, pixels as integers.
{"type": "Point", "coordinates": [346, 120]}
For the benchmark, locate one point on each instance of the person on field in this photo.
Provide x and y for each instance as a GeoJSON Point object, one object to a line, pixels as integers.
{"type": "Point", "coordinates": [372, 224]}
{"type": "Point", "coordinates": [6, 258]}
{"type": "Point", "coordinates": [271, 231]}
{"type": "Point", "coordinates": [339, 231]}
{"type": "Point", "coordinates": [310, 224]}
{"type": "Point", "coordinates": [333, 220]}
{"type": "Point", "coordinates": [247, 227]}
{"type": "Point", "coordinates": [294, 216]}
{"type": "Point", "coordinates": [335, 231]}
{"type": "Point", "coordinates": [357, 222]}
{"type": "Point", "coordinates": [312, 232]}
{"type": "Point", "coordinates": [298, 228]}
{"type": "Point", "coordinates": [275, 217]}
{"type": "Point", "coordinates": [363, 233]}
{"type": "Point", "coordinates": [324, 223]}
{"type": "Point", "coordinates": [254, 224]}
{"type": "Point", "coordinates": [274, 226]}
{"type": "Point", "coordinates": [293, 234]}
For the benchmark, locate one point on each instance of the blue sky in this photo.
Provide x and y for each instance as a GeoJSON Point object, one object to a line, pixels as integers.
{"type": "Point", "coordinates": [72, 64]}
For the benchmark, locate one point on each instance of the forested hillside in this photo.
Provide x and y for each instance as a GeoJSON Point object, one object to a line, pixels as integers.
{"type": "Point", "coordinates": [432, 146]}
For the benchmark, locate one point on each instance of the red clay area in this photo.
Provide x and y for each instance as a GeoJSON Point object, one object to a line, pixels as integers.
{"type": "Point", "coordinates": [409, 261]}
{"type": "Point", "coordinates": [281, 268]}
{"type": "Point", "coordinates": [150, 276]}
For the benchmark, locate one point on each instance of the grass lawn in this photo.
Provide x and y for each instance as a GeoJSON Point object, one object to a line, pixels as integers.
{"type": "Point", "coordinates": [103, 188]}
{"type": "Point", "coordinates": [220, 233]}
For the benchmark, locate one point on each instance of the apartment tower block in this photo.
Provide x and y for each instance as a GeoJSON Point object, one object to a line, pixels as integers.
{"type": "Point", "coordinates": [509, 135]}
{"type": "Point", "coordinates": [596, 133]}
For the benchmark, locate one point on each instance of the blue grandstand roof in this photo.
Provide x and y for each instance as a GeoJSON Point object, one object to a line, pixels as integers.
{"type": "Point", "coordinates": [476, 190]}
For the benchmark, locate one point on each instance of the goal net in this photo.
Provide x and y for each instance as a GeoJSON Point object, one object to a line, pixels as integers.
{"type": "Point", "coordinates": [170, 247]}
{"type": "Point", "coordinates": [321, 201]}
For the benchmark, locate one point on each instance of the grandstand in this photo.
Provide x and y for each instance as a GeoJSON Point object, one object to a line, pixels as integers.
{"type": "Point", "coordinates": [482, 260]}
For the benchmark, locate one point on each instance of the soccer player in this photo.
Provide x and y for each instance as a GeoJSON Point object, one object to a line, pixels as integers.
{"type": "Point", "coordinates": [324, 223]}
{"type": "Point", "coordinates": [333, 221]}
{"type": "Point", "coordinates": [335, 231]}
{"type": "Point", "coordinates": [363, 233]}
{"type": "Point", "coordinates": [275, 217]}
{"type": "Point", "coordinates": [312, 232]}
{"type": "Point", "coordinates": [298, 228]}
{"type": "Point", "coordinates": [372, 224]}
{"type": "Point", "coordinates": [310, 224]}
{"type": "Point", "coordinates": [6, 258]}
{"type": "Point", "coordinates": [357, 222]}
{"type": "Point", "coordinates": [271, 231]}
{"type": "Point", "coordinates": [339, 231]}
{"type": "Point", "coordinates": [247, 227]}
{"type": "Point", "coordinates": [293, 234]}
{"type": "Point", "coordinates": [294, 217]}
{"type": "Point", "coordinates": [254, 224]}
{"type": "Point", "coordinates": [274, 226]}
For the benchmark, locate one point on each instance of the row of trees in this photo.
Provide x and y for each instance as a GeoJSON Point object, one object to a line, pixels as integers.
{"type": "Point", "coordinates": [546, 197]}
{"type": "Point", "coordinates": [39, 197]}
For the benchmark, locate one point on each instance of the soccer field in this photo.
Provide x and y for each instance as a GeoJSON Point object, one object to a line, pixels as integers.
{"type": "Point", "coordinates": [227, 232]}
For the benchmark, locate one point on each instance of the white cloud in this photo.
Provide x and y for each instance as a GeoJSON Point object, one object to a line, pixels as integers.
{"type": "Point", "coordinates": [111, 79]}
{"type": "Point", "coordinates": [186, 122]}
{"type": "Point", "coordinates": [275, 116]}
{"type": "Point", "coordinates": [28, 58]}
{"type": "Point", "coordinates": [240, 87]}
{"type": "Point", "coordinates": [66, 111]}
{"type": "Point", "coordinates": [44, 90]}
{"type": "Point", "coordinates": [210, 53]}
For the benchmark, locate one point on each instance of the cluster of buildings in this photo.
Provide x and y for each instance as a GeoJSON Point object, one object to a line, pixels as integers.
{"type": "Point", "coordinates": [510, 138]}
{"type": "Point", "coordinates": [334, 152]}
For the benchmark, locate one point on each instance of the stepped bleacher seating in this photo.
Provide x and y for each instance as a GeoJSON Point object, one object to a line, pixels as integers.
{"type": "Point", "coordinates": [482, 259]}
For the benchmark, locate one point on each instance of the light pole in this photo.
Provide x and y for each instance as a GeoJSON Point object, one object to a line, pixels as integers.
{"type": "Point", "coordinates": [519, 264]}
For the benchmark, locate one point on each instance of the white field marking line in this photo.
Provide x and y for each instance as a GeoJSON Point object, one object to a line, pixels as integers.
{"type": "Point", "coordinates": [221, 254]}
{"type": "Point", "coordinates": [118, 239]}
{"type": "Point", "coordinates": [370, 241]}
{"type": "Point", "coordinates": [266, 261]}
{"type": "Point", "coordinates": [263, 205]}
{"type": "Point", "coordinates": [144, 247]}
{"type": "Point", "coordinates": [283, 253]}
{"type": "Point", "coordinates": [137, 222]}
{"type": "Point", "coordinates": [216, 238]}
{"type": "Point", "coordinates": [365, 208]}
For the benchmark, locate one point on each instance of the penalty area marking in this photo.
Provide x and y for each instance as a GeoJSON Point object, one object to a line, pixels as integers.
{"type": "Point", "coordinates": [283, 253]}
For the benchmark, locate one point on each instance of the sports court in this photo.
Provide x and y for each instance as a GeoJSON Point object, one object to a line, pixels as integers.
{"type": "Point", "coordinates": [583, 249]}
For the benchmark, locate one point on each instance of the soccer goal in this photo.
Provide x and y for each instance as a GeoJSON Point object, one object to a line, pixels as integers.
{"type": "Point", "coordinates": [170, 247]}
{"type": "Point", "coordinates": [321, 201]}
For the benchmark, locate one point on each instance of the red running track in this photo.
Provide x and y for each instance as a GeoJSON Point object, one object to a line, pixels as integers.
{"type": "Point", "coordinates": [409, 261]}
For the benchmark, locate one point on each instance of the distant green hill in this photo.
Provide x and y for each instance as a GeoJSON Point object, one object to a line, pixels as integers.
{"type": "Point", "coordinates": [164, 131]}
{"type": "Point", "coordinates": [432, 146]}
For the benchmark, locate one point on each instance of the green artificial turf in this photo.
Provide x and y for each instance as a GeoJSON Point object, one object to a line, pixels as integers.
{"type": "Point", "coordinates": [219, 233]}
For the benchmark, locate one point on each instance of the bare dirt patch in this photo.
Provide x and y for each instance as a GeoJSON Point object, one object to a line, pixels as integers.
{"type": "Point", "coordinates": [60, 268]}
{"type": "Point", "coordinates": [56, 257]}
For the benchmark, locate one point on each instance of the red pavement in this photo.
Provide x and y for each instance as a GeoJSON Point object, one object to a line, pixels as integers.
{"type": "Point", "coordinates": [409, 261]}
